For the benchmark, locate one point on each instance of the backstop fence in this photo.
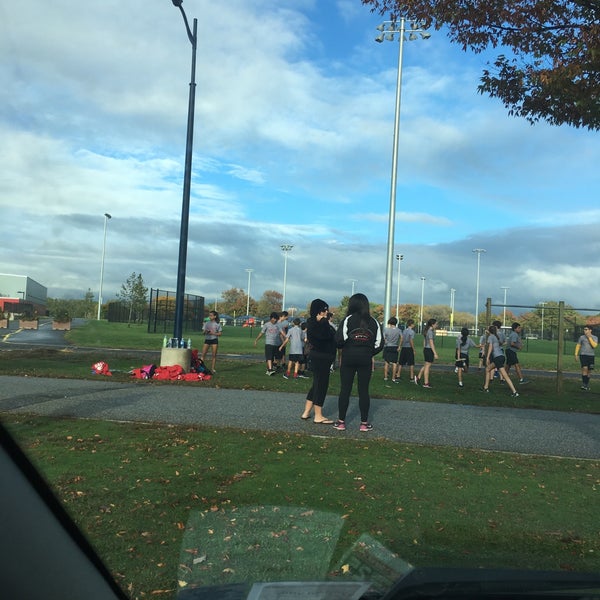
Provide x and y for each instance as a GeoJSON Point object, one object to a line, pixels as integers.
{"type": "Point", "coordinates": [557, 324]}
{"type": "Point", "coordinates": [161, 312]}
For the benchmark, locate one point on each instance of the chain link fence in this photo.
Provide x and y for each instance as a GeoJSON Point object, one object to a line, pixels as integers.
{"type": "Point", "coordinates": [161, 312]}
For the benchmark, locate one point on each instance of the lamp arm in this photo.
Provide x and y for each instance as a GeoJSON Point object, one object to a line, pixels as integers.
{"type": "Point", "coordinates": [187, 26]}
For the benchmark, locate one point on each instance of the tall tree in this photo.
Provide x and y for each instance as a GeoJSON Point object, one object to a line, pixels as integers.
{"type": "Point", "coordinates": [553, 72]}
{"type": "Point", "coordinates": [408, 311]}
{"type": "Point", "coordinates": [84, 307]}
{"type": "Point", "coordinates": [234, 301]}
{"type": "Point", "coordinates": [545, 317]}
{"type": "Point", "coordinates": [269, 302]}
{"type": "Point", "coordinates": [134, 293]}
{"type": "Point", "coordinates": [88, 304]}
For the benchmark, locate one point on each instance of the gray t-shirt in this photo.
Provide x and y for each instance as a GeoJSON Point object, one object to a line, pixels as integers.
{"type": "Point", "coordinates": [495, 342]}
{"type": "Point", "coordinates": [408, 335]}
{"type": "Point", "coordinates": [586, 348]}
{"type": "Point", "coordinates": [429, 337]}
{"type": "Point", "coordinates": [296, 344]}
{"type": "Point", "coordinates": [391, 335]}
{"type": "Point", "coordinates": [514, 338]}
{"type": "Point", "coordinates": [271, 333]}
{"type": "Point", "coordinates": [464, 348]}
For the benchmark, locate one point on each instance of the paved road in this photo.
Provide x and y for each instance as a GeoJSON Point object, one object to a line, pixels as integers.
{"type": "Point", "coordinates": [513, 430]}
{"type": "Point", "coordinates": [43, 336]}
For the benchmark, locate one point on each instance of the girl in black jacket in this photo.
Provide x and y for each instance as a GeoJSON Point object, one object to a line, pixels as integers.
{"type": "Point", "coordinates": [360, 337]}
{"type": "Point", "coordinates": [321, 336]}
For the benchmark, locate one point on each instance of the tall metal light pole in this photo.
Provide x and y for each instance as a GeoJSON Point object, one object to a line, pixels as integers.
{"type": "Point", "coordinates": [249, 271]}
{"type": "Point", "coordinates": [543, 304]}
{"type": "Point", "coordinates": [422, 297]}
{"type": "Point", "coordinates": [187, 180]}
{"type": "Point", "coordinates": [399, 258]}
{"type": "Point", "coordinates": [479, 251]}
{"type": "Point", "coordinates": [285, 248]}
{"type": "Point", "coordinates": [388, 29]}
{"type": "Point", "coordinates": [452, 292]}
{"type": "Point", "coordinates": [106, 218]}
{"type": "Point", "coordinates": [353, 281]}
{"type": "Point", "coordinates": [504, 311]}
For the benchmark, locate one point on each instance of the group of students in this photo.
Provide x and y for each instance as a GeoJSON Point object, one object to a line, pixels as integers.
{"type": "Point", "coordinates": [399, 351]}
{"type": "Point", "coordinates": [359, 337]}
{"type": "Point", "coordinates": [496, 352]}
{"type": "Point", "coordinates": [356, 340]}
{"type": "Point", "coordinates": [278, 334]}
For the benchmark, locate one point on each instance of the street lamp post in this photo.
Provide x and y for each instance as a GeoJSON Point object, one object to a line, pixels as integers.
{"type": "Point", "coordinates": [353, 281]}
{"type": "Point", "coordinates": [106, 218]}
{"type": "Point", "coordinates": [286, 248]}
{"type": "Point", "coordinates": [504, 311]}
{"type": "Point", "coordinates": [187, 179]}
{"type": "Point", "coordinates": [249, 271]}
{"type": "Point", "coordinates": [543, 304]}
{"type": "Point", "coordinates": [479, 251]}
{"type": "Point", "coordinates": [399, 258]}
{"type": "Point", "coordinates": [422, 297]}
{"type": "Point", "coordinates": [452, 292]}
{"type": "Point", "coordinates": [388, 29]}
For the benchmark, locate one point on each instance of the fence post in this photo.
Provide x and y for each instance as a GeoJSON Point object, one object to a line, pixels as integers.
{"type": "Point", "coordinates": [488, 312]}
{"type": "Point", "coordinates": [560, 348]}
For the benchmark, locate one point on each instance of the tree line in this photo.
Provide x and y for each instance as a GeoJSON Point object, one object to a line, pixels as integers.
{"type": "Point", "coordinates": [133, 293]}
{"type": "Point", "coordinates": [235, 302]}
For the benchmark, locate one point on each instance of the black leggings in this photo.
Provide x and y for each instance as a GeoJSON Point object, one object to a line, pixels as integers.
{"type": "Point", "coordinates": [361, 366]}
{"type": "Point", "coordinates": [321, 367]}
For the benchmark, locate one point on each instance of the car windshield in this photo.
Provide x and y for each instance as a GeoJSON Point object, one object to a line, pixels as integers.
{"type": "Point", "coordinates": [286, 312]}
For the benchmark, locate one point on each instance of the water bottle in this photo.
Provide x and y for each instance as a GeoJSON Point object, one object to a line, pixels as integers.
{"type": "Point", "coordinates": [189, 343]}
{"type": "Point", "coordinates": [181, 343]}
{"type": "Point", "coordinates": [165, 342]}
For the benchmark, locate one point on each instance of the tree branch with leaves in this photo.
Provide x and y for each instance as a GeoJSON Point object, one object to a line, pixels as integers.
{"type": "Point", "coordinates": [550, 67]}
{"type": "Point", "coordinates": [135, 294]}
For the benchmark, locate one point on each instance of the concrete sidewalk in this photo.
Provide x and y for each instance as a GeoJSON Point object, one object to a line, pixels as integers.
{"type": "Point", "coordinates": [524, 431]}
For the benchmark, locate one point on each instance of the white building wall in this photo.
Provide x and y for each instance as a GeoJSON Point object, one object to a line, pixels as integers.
{"type": "Point", "coordinates": [11, 285]}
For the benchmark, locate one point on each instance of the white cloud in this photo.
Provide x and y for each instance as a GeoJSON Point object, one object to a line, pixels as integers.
{"type": "Point", "coordinates": [293, 140]}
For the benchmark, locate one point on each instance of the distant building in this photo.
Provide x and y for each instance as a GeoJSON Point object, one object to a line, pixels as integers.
{"type": "Point", "coordinates": [20, 294]}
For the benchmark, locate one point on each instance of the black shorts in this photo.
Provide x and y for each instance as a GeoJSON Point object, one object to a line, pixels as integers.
{"type": "Point", "coordinates": [512, 357]}
{"type": "Point", "coordinates": [407, 357]}
{"type": "Point", "coordinates": [390, 354]}
{"type": "Point", "coordinates": [271, 351]}
{"type": "Point", "coordinates": [586, 360]}
{"type": "Point", "coordinates": [428, 355]}
{"type": "Point", "coordinates": [296, 358]}
{"type": "Point", "coordinates": [499, 361]}
{"type": "Point", "coordinates": [214, 342]}
{"type": "Point", "coordinates": [462, 362]}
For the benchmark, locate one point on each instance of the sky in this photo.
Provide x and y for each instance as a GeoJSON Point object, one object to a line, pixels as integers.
{"type": "Point", "coordinates": [293, 140]}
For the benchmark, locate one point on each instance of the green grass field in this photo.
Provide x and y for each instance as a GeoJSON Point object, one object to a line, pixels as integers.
{"type": "Point", "coordinates": [133, 487]}
{"type": "Point", "coordinates": [241, 366]}
{"type": "Point", "coordinates": [537, 354]}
